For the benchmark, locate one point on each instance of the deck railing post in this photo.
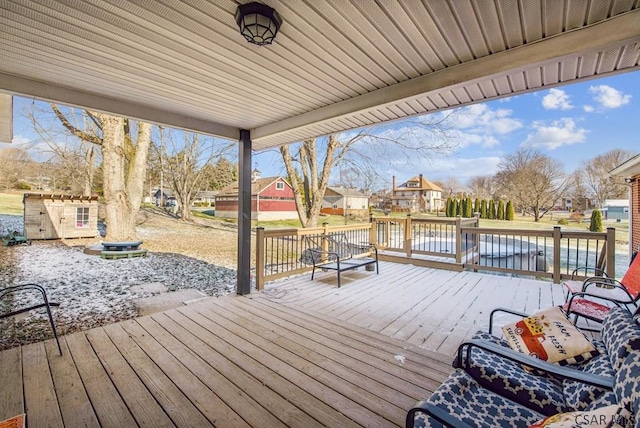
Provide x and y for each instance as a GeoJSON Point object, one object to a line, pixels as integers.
{"type": "Point", "coordinates": [458, 240]}
{"type": "Point", "coordinates": [557, 235]}
{"type": "Point", "coordinates": [373, 236]}
{"type": "Point", "coordinates": [408, 235]}
{"type": "Point", "coordinates": [611, 252]}
{"type": "Point", "coordinates": [325, 235]}
{"type": "Point", "coordinates": [260, 258]}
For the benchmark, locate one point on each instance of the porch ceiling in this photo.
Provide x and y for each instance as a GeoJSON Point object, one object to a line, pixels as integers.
{"type": "Point", "coordinates": [335, 65]}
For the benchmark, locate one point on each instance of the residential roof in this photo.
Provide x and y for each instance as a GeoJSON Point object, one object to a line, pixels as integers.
{"type": "Point", "coordinates": [425, 185]}
{"type": "Point", "coordinates": [257, 186]}
{"type": "Point", "coordinates": [348, 191]}
{"type": "Point", "coordinates": [630, 168]}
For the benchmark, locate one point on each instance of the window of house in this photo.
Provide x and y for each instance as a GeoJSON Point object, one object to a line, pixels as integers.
{"type": "Point", "coordinates": [82, 217]}
{"type": "Point", "coordinates": [335, 207]}
{"type": "Point", "coordinates": [625, 210]}
{"type": "Point", "coordinates": [280, 185]}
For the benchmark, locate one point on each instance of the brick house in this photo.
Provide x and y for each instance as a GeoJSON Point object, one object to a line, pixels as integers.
{"type": "Point", "coordinates": [630, 170]}
{"type": "Point", "coordinates": [271, 199]}
{"type": "Point", "coordinates": [416, 194]}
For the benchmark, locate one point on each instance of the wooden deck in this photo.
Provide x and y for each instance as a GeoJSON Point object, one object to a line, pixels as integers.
{"type": "Point", "coordinates": [300, 354]}
{"type": "Point", "coordinates": [430, 308]}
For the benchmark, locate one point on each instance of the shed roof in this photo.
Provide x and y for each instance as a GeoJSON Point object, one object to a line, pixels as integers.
{"type": "Point", "coordinates": [58, 196]}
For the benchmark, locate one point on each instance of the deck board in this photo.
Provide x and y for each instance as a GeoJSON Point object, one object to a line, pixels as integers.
{"type": "Point", "coordinates": [301, 353]}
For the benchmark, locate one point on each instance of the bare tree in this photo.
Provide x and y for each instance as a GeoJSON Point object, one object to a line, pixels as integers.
{"type": "Point", "coordinates": [309, 164]}
{"type": "Point", "coordinates": [125, 148]}
{"type": "Point", "coordinates": [482, 187]}
{"type": "Point", "coordinates": [532, 180]}
{"type": "Point", "coordinates": [185, 165]}
{"type": "Point", "coordinates": [78, 158]}
{"type": "Point", "coordinates": [599, 183]}
{"type": "Point", "coordinates": [451, 187]}
{"type": "Point", "coordinates": [13, 161]}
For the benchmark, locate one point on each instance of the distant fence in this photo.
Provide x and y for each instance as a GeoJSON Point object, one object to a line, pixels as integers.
{"type": "Point", "coordinates": [458, 242]}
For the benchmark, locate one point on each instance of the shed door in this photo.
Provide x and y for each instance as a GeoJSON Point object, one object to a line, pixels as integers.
{"type": "Point", "coordinates": [55, 224]}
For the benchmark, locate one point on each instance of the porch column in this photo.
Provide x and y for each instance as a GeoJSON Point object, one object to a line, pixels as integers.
{"type": "Point", "coordinates": [243, 285]}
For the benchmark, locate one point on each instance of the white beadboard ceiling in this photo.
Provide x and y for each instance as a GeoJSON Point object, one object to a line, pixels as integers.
{"type": "Point", "coordinates": [335, 64]}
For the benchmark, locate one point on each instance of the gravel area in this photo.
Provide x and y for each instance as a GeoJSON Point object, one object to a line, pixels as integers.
{"type": "Point", "coordinates": [93, 291]}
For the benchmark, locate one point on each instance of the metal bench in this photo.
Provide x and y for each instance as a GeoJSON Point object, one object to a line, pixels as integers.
{"type": "Point", "coordinates": [335, 252]}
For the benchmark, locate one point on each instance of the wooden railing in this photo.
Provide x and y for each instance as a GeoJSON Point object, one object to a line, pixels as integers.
{"type": "Point", "coordinates": [543, 253]}
{"type": "Point", "coordinates": [281, 253]}
{"type": "Point", "coordinates": [440, 237]}
{"type": "Point", "coordinates": [455, 242]}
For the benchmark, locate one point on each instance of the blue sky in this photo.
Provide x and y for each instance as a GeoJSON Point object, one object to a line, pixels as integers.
{"type": "Point", "coordinates": [572, 123]}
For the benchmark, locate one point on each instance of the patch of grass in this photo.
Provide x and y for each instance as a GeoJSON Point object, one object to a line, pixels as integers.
{"type": "Point", "coordinates": [11, 203]}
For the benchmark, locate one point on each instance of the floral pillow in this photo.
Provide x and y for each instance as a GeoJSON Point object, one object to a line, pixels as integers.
{"type": "Point", "coordinates": [549, 335]}
{"type": "Point", "coordinates": [612, 416]}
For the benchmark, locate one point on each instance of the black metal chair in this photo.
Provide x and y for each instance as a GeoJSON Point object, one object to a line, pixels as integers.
{"type": "Point", "coordinates": [45, 304]}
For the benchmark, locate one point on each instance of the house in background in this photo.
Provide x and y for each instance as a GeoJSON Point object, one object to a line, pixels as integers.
{"type": "Point", "coordinates": [616, 209]}
{"type": "Point", "coordinates": [416, 195]}
{"type": "Point", "coordinates": [205, 197]}
{"type": "Point", "coordinates": [630, 171]}
{"type": "Point", "coordinates": [271, 199]}
{"type": "Point", "coordinates": [163, 196]}
{"type": "Point", "coordinates": [344, 201]}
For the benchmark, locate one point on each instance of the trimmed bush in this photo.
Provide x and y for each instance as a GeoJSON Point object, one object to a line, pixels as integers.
{"type": "Point", "coordinates": [596, 221]}
{"type": "Point", "coordinates": [563, 221]}
{"type": "Point", "coordinates": [483, 209]}
{"type": "Point", "coordinates": [510, 212]}
{"type": "Point", "coordinates": [491, 214]}
{"type": "Point", "coordinates": [468, 208]}
{"type": "Point", "coordinates": [500, 210]}
{"type": "Point", "coordinates": [476, 206]}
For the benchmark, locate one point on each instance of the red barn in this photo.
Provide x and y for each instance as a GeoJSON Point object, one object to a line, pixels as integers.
{"type": "Point", "coordinates": [271, 199]}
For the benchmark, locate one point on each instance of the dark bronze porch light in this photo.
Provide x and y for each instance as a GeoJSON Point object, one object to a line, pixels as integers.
{"type": "Point", "coordinates": [258, 23]}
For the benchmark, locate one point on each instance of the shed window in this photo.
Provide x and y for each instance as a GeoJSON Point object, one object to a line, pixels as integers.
{"type": "Point", "coordinates": [279, 185]}
{"type": "Point", "coordinates": [82, 217]}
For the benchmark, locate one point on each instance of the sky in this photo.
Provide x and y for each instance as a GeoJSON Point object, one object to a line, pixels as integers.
{"type": "Point", "coordinates": [572, 123]}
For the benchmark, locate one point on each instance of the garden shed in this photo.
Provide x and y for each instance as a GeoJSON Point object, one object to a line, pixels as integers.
{"type": "Point", "coordinates": [49, 216]}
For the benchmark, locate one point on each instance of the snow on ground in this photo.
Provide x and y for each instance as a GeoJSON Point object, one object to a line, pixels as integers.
{"type": "Point", "coordinates": [93, 291]}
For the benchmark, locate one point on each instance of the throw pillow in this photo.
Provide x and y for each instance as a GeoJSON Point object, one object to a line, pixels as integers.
{"type": "Point", "coordinates": [549, 335]}
{"type": "Point", "coordinates": [605, 417]}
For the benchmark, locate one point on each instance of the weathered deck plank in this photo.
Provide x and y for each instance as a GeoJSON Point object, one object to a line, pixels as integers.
{"type": "Point", "coordinates": [301, 353]}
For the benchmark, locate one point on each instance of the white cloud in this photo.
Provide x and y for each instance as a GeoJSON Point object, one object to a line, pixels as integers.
{"type": "Point", "coordinates": [556, 99]}
{"type": "Point", "coordinates": [588, 108]}
{"type": "Point", "coordinates": [463, 168]}
{"type": "Point", "coordinates": [559, 133]}
{"type": "Point", "coordinates": [481, 119]}
{"type": "Point", "coordinates": [19, 140]}
{"type": "Point", "coordinates": [608, 97]}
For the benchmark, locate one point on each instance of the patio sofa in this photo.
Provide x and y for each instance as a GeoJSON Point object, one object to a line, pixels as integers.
{"type": "Point", "coordinates": [490, 387]}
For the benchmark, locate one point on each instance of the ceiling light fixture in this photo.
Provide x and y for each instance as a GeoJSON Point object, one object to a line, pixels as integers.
{"type": "Point", "coordinates": [258, 23]}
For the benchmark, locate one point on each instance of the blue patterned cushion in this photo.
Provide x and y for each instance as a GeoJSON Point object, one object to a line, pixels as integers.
{"type": "Point", "coordinates": [581, 396]}
{"type": "Point", "coordinates": [620, 334]}
{"type": "Point", "coordinates": [509, 379]}
{"type": "Point", "coordinates": [627, 383]}
{"type": "Point", "coordinates": [461, 396]}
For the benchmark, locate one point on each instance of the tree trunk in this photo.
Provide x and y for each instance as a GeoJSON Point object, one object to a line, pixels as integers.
{"type": "Point", "coordinates": [124, 178]}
